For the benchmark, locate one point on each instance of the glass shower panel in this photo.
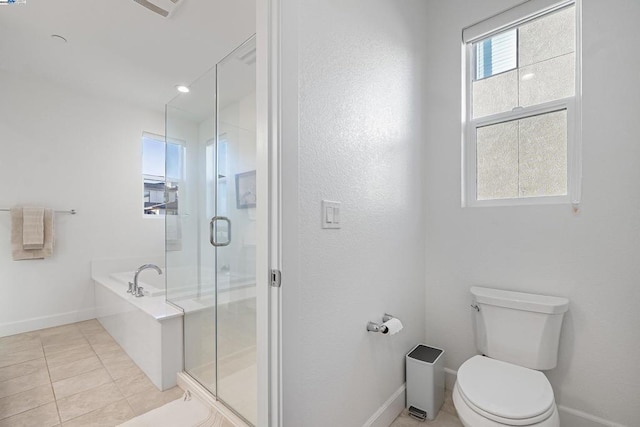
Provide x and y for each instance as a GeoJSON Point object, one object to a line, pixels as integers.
{"type": "Point", "coordinates": [210, 229]}
{"type": "Point", "coordinates": [190, 258]}
{"type": "Point", "coordinates": [236, 201]}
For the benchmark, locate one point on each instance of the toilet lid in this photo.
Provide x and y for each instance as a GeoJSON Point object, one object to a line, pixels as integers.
{"type": "Point", "coordinates": [505, 390]}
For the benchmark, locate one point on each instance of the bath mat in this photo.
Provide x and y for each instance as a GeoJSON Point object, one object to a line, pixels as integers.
{"type": "Point", "coordinates": [184, 413]}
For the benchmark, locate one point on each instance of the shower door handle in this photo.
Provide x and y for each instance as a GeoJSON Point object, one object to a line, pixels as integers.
{"type": "Point", "coordinates": [212, 237]}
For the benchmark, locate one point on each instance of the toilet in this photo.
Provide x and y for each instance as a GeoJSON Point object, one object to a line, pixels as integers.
{"type": "Point", "coordinates": [518, 336]}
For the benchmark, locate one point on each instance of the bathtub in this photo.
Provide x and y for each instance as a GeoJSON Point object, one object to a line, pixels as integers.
{"type": "Point", "coordinates": [147, 328]}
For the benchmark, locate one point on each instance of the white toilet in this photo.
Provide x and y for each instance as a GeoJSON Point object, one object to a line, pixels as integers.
{"type": "Point", "coordinates": [518, 335]}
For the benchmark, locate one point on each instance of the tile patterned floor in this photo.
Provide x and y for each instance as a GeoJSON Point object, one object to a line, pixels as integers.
{"type": "Point", "coordinates": [77, 376]}
{"type": "Point", "coordinates": [71, 376]}
{"type": "Point", "coordinates": [447, 417]}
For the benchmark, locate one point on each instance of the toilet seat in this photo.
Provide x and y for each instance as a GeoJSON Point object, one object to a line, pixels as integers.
{"type": "Point", "coordinates": [470, 418]}
{"type": "Point", "coordinates": [505, 393]}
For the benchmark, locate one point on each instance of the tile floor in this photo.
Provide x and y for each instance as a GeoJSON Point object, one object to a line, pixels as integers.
{"type": "Point", "coordinates": [77, 376]}
{"type": "Point", "coordinates": [447, 417]}
{"type": "Point", "coordinates": [72, 375]}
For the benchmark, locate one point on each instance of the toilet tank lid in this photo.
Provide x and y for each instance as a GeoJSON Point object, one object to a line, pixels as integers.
{"type": "Point", "coordinates": [520, 300]}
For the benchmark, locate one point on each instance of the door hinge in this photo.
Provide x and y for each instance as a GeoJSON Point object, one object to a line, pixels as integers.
{"type": "Point", "coordinates": [276, 278]}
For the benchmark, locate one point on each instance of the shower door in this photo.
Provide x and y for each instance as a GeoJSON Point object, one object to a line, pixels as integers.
{"type": "Point", "coordinates": [233, 230]}
{"type": "Point", "coordinates": [211, 239]}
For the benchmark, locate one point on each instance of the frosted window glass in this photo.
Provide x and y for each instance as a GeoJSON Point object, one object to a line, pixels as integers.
{"type": "Point", "coordinates": [547, 81]}
{"type": "Point", "coordinates": [496, 94]}
{"type": "Point", "coordinates": [548, 37]}
{"type": "Point", "coordinates": [523, 153]}
{"type": "Point", "coordinates": [497, 161]}
{"type": "Point", "coordinates": [543, 155]}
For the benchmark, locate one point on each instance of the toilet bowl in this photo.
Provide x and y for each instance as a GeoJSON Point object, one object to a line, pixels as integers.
{"type": "Point", "coordinates": [518, 335]}
{"type": "Point", "coordinates": [492, 393]}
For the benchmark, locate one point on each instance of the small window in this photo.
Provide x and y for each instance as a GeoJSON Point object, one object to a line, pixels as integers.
{"type": "Point", "coordinates": [162, 173]}
{"type": "Point", "coordinates": [521, 126]}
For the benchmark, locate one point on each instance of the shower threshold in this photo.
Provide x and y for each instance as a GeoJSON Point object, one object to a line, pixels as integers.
{"type": "Point", "coordinates": [187, 382]}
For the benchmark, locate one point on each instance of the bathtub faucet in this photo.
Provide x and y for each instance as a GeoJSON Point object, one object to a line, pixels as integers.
{"type": "Point", "coordinates": [137, 290]}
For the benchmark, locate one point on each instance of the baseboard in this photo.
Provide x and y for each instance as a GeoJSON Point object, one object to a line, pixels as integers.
{"type": "Point", "coordinates": [33, 324]}
{"type": "Point", "coordinates": [389, 410]}
{"type": "Point", "coordinates": [569, 417]}
{"type": "Point", "coordinates": [449, 378]}
{"type": "Point", "coordinates": [573, 418]}
{"type": "Point", "coordinates": [186, 382]}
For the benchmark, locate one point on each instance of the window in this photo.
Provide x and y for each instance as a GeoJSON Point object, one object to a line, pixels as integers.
{"type": "Point", "coordinates": [162, 172]}
{"type": "Point", "coordinates": [522, 82]}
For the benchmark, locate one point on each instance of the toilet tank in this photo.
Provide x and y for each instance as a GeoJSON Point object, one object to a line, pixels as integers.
{"type": "Point", "coordinates": [520, 328]}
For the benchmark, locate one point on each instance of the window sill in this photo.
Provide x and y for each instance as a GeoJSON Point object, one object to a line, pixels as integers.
{"type": "Point", "coordinates": [528, 201]}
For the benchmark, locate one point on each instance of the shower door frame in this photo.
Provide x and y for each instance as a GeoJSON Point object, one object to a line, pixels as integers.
{"type": "Point", "coordinates": [268, 227]}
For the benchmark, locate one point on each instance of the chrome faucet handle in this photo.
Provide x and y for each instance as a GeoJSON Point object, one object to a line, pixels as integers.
{"type": "Point", "coordinates": [130, 291]}
{"type": "Point", "coordinates": [139, 292]}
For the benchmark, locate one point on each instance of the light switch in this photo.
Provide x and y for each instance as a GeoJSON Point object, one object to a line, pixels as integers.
{"type": "Point", "coordinates": [330, 214]}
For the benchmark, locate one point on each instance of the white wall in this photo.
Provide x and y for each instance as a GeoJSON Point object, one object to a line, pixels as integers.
{"type": "Point", "coordinates": [591, 258]}
{"type": "Point", "coordinates": [69, 151]}
{"type": "Point", "coordinates": [352, 94]}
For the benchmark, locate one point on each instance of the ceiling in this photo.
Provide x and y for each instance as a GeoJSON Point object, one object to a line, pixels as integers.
{"type": "Point", "coordinates": [236, 78]}
{"type": "Point", "coordinates": [118, 49]}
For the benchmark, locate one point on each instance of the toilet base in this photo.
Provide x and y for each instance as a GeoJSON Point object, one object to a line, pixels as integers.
{"type": "Point", "coordinates": [471, 418]}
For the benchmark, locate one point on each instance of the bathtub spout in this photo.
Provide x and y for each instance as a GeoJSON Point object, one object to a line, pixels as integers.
{"type": "Point", "coordinates": [137, 291]}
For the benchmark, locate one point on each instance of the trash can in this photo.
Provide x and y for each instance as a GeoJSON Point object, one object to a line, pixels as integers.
{"type": "Point", "coordinates": [425, 381]}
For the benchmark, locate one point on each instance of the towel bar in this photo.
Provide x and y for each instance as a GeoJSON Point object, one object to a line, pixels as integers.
{"type": "Point", "coordinates": [71, 212]}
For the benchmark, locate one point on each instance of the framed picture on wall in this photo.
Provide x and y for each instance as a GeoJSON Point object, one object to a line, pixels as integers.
{"type": "Point", "coordinates": [246, 190]}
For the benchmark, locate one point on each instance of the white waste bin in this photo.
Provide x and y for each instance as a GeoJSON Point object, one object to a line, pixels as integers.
{"type": "Point", "coordinates": [425, 381]}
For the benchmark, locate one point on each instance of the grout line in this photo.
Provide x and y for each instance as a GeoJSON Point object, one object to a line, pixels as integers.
{"type": "Point", "coordinates": [131, 407]}
{"type": "Point", "coordinates": [50, 384]}
{"type": "Point", "coordinates": [23, 361]}
{"type": "Point", "coordinates": [53, 391]}
{"type": "Point", "coordinates": [31, 384]}
{"type": "Point", "coordinates": [95, 410]}
{"type": "Point", "coordinates": [20, 363]}
{"type": "Point", "coordinates": [103, 366]}
{"type": "Point", "coordinates": [83, 373]}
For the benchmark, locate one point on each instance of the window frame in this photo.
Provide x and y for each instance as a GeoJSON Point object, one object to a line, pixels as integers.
{"type": "Point", "coordinates": [572, 105]}
{"type": "Point", "coordinates": [163, 178]}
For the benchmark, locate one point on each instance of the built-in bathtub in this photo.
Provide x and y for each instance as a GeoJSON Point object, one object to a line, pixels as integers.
{"type": "Point", "coordinates": [147, 328]}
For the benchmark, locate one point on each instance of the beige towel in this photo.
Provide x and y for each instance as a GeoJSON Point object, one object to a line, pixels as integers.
{"type": "Point", "coordinates": [32, 228]}
{"type": "Point", "coordinates": [18, 251]}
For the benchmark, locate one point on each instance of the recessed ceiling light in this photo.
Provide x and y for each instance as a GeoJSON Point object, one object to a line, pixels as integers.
{"type": "Point", "coordinates": [58, 38]}
{"type": "Point", "coordinates": [182, 89]}
{"type": "Point", "coordinates": [528, 76]}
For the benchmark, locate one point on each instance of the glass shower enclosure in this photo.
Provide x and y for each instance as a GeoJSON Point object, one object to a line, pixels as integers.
{"type": "Point", "coordinates": [211, 228]}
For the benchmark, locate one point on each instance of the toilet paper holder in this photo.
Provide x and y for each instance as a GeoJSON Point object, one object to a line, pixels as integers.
{"type": "Point", "coordinates": [376, 327]}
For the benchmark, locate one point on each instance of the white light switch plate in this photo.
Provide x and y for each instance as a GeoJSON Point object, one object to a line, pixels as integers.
{"type": "Point", "coordinates": [330, 214]}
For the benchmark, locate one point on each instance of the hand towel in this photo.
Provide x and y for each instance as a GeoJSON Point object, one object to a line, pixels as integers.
{"type": "Point", "coordinates": [32, 228]}
{"type": "Point", "coordinates": [17, 250]}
